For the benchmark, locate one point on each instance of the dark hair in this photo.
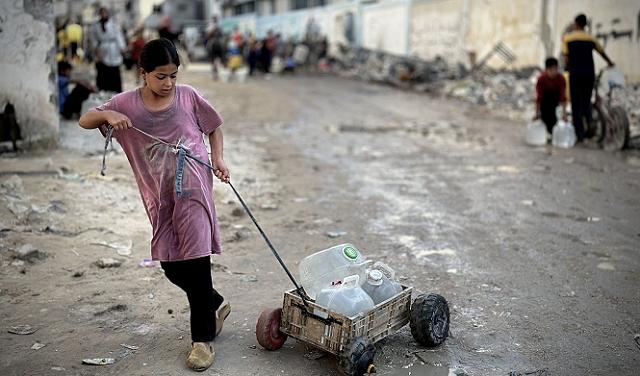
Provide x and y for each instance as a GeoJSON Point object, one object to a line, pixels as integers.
{"type": "Point", "coordinates": [158, 52]}
{"type": "Point", "coordinates": [551, 62]}
{"type": "Point", "coordinates": [63, 65]}
{"type": "Point", "coordinates": [581, 20]}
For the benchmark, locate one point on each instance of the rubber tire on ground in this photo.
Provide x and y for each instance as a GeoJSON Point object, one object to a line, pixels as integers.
{"type": "Point", "coordinates": [268, 331]}
{"type": "Point", "coordinates": [357, 357]}
{"type": "Point", "coordinates": [617, 131]}
{"type": "Point", "coordinates": [429, 319]}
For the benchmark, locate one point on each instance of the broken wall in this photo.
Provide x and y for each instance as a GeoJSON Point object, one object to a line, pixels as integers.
{"type": "Point", "coordinates": [27, 62]}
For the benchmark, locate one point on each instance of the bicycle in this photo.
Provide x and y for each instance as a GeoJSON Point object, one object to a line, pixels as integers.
{"type": "Point", "coordinates": [610, 123]}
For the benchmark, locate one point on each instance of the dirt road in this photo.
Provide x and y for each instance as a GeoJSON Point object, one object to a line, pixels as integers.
{"type": "Point", "coordinates": [536, 250]}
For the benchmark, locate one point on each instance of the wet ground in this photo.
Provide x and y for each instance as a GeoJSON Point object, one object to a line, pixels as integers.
{"type": "Point", "coordinates": [536, 249]}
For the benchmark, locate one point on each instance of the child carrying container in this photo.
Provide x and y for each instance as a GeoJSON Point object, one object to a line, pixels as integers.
{"type": "Point", "coordinates": [156, 125]}
{"type": "Point", "coordinates": [550, 92]}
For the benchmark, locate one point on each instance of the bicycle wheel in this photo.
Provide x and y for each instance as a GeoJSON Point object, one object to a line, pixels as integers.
{"type": "Point", "coordinates": [617, 130]}
{"type": "Point", "coordinates": [596, 129]}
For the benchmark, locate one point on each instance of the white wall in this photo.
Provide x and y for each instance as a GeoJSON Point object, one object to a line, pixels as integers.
{"type": "Point", "coordinates": [384, 27]}
{"type": "Point", "coordinates": [437, 30]}
{"type": "Point", "coordinates": [28, 78]}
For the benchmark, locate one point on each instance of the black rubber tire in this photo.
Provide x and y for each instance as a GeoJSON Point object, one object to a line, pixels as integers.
{"type": "Point", "coordinates": [597, 128]}
{"type": "Point", "coordinates": [357, 358]}
{"type": "Point", "coordinates": [617, 131]}
{"type": "Point", "coordinates": [429, 319]}
{"type": "Point", "coordinates": [268, 331]}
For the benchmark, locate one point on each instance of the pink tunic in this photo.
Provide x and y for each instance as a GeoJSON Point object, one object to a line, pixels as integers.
{"type": "Point", "coordinates": [184, 226]}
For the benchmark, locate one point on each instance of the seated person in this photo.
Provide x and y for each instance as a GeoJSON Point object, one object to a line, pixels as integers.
{"type": "Point", "coordinates": [71, 103]}
{"type": "Point", "coordinates": [550, 91]}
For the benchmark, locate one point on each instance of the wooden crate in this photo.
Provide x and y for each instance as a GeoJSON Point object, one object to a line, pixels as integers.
{"type": "Point", "coordinates": [331, 331]}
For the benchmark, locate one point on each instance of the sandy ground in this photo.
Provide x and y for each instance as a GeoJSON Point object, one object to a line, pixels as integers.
{"type": "Point", "coordinates": [536, 249]}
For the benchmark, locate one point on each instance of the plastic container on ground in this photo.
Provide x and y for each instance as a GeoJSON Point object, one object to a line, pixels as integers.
{"type": "Point", "coordinates": [241, 74]}
{"type": "Point", "coordinates": [564, 135]}
{"type": "Point", "coordinates": [347, 298]}
{"type": "Point", "coordinates": [224, 74]}
{"type": "Point", "coordinates": [536, 133]}
{"type": "Point", "coordinates": [329, 267]}
{"type": "Point", "coordinates": [379, 287]}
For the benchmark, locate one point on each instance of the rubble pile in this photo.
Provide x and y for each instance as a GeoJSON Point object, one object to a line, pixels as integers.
{"type": "Point", "coordinates": [511, 93]}
{"type": "Point", "coordinates": [629, 98]}
{"type": "Point", "coordinates": [406, 72]}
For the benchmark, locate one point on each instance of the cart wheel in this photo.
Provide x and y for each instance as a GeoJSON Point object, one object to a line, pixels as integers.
{"type": "Point", "coordinates": [268, 331]}
{"type": "Point", "coordinates": [429, 319]}
{"type": "Point", "coordinates": [357, 358]}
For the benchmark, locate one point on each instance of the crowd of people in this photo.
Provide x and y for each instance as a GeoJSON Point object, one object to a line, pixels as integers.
{"type": "Point", "coordinates": [108, 46]}
{"type": "Point", "coordinates": [261, 55]}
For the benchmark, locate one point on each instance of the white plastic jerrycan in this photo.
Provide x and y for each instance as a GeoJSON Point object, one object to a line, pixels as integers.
{"type": "Point", "coordinates": [348, 298]}
{"type": "Point", "coordinates": [564, 135]}
{"type": "Point", "coordinates": [329, 267]}
{"type": "Point", "coordinates": [536, 133]}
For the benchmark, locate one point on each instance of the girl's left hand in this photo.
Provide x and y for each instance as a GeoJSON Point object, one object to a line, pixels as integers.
{"type": "Point", "coordinates": [221, 170]}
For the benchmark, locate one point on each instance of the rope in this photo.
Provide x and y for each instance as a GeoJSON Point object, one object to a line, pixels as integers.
{"type": "Point", "coordinates": [183, 151]}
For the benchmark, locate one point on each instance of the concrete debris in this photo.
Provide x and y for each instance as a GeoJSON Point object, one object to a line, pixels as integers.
{"type": "Point", "coordinates": [511, 93]}
{"type": "Point", "coordinates": [22, 330]}
{"type": "Point", "coordinates": [29, 253]}
{"type": "Point", "coordinates": [336, 234]}
{"type": "Point", "coordinates": [98, 361]}
{"type": "Point", "coordinates": [407, 72]}
{"type": "Point", "coordinates": [108, 263]}
{"type": "Point", "coordinates": [37, 346]}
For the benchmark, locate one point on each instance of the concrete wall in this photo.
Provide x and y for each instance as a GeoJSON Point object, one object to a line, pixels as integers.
{"type": "Point", "coordinates": [384, 27]}
{"type": "Point", "coordinates": [437, 30]}
{"type": "Point", "coordinates": [516, 23]}
{"type": "Point", "coordinates": [530, 29]}
{"type": "Point", "coordinates": [27, 63]}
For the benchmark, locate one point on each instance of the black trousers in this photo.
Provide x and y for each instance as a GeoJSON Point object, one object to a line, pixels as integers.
{"type": "Point", "coordinates": [580, 87]}
{"type": "Point", "coordinates": [194, 278]}
{"type": "Point", "coordinates": [108, 78]}
{"type": "Point", "coordinates": [548, 115]}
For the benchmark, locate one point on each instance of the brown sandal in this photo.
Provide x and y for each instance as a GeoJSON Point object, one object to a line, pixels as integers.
{"type": "Point", "coordinates": [221, 314]}
{"type": "Point", "coordinates": [201, 356]}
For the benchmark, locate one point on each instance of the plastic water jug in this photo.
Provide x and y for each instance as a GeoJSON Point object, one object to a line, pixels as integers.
{"type": "Point", "coordinates": [536, 133]}
{"type": "Point", "coordinates": [379, 287]}
{"type": "Point", "coordinates": [348, 298]}
{"type": "Point", "coordinates": [564, 135]}
{"type": "Point", "coordinates": [329, 267]}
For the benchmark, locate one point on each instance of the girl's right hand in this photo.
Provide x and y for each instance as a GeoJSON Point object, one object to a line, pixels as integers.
{"type": "Point", "coordinates": [117, 120]}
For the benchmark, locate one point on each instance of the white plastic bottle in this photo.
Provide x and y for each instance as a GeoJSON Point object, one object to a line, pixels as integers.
{"type": "Point", "coordinates": [329, 267]}
{"type": "Point", "coordinates": [379, 287]}
{"type": "Point", "coordinates": [348, 298]}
